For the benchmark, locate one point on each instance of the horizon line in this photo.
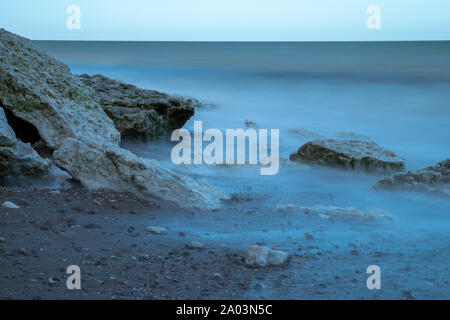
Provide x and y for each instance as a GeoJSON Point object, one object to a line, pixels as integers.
{"type": "Point", "coordinates": [244, 41]}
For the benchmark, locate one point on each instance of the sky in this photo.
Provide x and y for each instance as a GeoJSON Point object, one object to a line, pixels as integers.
{"type": "Point", "coordinates": [228, 20]}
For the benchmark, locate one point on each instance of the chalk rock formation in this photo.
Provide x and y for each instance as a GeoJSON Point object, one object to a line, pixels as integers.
{"type": "Point", "coordinates": [434, 179]}
{"type": "Point", "coordinates": [108, 166]}
{"type": "Point", "coordinates": [70, 120]}
{"type": "Point", "coordinates": [349, 154]}
{"type": "Point", "coordinates": [258, 256]}
{"type": "Point", "coordinates": [139, 113]}
{"type": "Point", "coordinates": [41, 90]}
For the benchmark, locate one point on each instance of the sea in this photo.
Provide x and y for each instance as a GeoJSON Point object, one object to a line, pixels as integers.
{"type": "Point", "coordinates": [396, 94]}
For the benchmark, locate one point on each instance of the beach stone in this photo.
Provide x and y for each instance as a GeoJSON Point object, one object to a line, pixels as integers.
{"type": "Point", "coordinates": [434, 179]}
{"type": "Point", "coordinates": [258, 256]}
{"type": "Point", "coordinates": [10, 205]}
{"type": "Point", "coordinates": [304, 133]}
{"type": "Point", "coordinates": [139, 113]}
{"type": "Point", "coordinates": [111, 167]}
{"type": "Point", "coordinates": [349, 154]}
{"type": "Point", "coordinates": [157, 230]}
{"type": "Point", "coordinates": [194, 245]}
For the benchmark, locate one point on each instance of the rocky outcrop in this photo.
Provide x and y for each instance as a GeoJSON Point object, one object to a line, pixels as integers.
{"type": "Point", "coordinates": [434, 179]}
{"type": "Point", "coordinates": [349, 154]}
{"type": "Point", "coordinates": [41, 90]}
{"type": "Point", "coordinates": [336, 213]}
{"type": "Point", "coordinates": [258, 256]}
{"type": "Point", "coordinates": [70, 120]}
{"type": "Point", "coordinates": [108, 166]}
{"type": "Point", "coordinates": [18, 159]}
{"type": "Point", "coordinates": [139, 113]}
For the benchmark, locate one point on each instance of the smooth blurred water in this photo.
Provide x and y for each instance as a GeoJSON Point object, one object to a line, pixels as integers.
{"type": "Point", "coordinates": [396, 93]}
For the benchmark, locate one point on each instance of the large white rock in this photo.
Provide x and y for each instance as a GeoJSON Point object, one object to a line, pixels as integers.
{"type": "Point", "coordinates": [258, 256]}
{"type": "Point", "coordinates": [67, 114]}
{"type": "Point", "coordinates": [41, 90]}
{"type": "Point", "coordinates": [108, 166]}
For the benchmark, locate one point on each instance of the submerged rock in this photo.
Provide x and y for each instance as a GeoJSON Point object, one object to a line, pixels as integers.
{"type": "Point", "coordinates": [336, 213]}
{"type": "Point", "coordinates": [108, 166]}
{"type": "Point", "coordinates": [18, 159]}
{"type": "Point", "coordinates": [349, 154]}
{"type": "Point", "coordinates": [434, 179]}
{"type": "Point", "coordinates": [139, 113]}
{"type": "Point", "coordinates": [258, 256]}
{"type": "Point", "coordinates": [352, 136]}
{"type": "Point", "coordinates": [304, 133]}
{"type": "Point", "coordinates": [41, 90]}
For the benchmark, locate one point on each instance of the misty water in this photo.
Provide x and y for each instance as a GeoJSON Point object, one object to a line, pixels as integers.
{"type": "Point", "coordinates": [396, 94]}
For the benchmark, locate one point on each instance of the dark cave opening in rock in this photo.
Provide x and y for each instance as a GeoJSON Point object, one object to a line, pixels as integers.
{"type": "Point", "coordinates": [24, 130]}
{"type": "Point", "coordinates": [27, 133]}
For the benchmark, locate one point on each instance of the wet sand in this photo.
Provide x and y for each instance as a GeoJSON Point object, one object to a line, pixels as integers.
{"type": "Point", "coordinates": [105, 234]}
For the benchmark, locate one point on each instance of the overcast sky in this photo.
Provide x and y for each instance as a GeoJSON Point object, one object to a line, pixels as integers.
{"type": "Point", "coordinates": [228, 20]}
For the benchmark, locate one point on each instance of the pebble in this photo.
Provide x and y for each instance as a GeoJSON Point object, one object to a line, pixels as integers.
{"type": "Point", "coordinates": [22, 252]}
{"type": "Point", "coordinates": [194, 245]}
{"type": "Point", "coordinates": [10, 205]}
{"type": "Point", "coordinates": [309, 236]}
{"type": "Point", "coordinates": [157, 230]}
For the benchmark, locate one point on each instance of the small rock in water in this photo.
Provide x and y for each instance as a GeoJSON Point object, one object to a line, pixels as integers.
{"type": "Point", "coordinates": [251, 124]}
{"type": "Point", "coordinates": [194, 245]}
{"type": "Point", "coordinates": [2, 240]}
{"type": "Point", "coordinates": [258, 256]}
{"type": "Point", "coordinates": [309, 236]}
{"type": "Point", "coordinates": [157, 230]}
{"type": "Point", "coordinates": [10, 205]}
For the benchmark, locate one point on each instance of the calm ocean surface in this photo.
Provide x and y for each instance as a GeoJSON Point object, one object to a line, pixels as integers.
{"type": "Point", "coordinates": [397, 93]}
